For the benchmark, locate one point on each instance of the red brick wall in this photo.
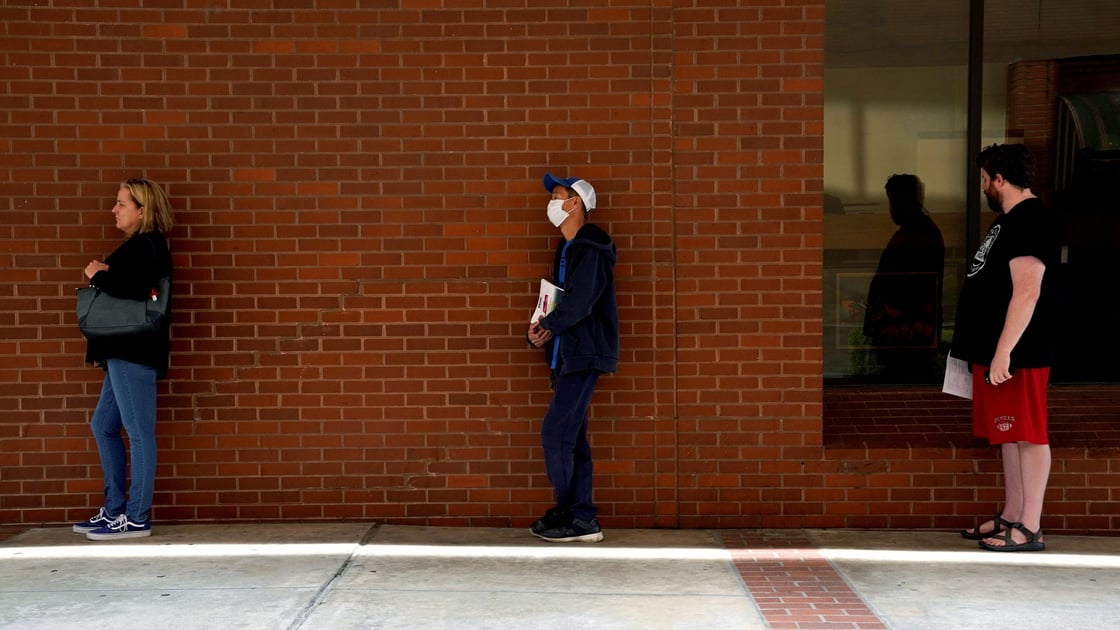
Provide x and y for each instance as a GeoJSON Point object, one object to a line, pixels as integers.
{"type": "Point", "coordinates": [748, 158]}
{"type": "Point", "coordinates": [904, 457]}
{"type": "Point", "coordinates": [361, 228]}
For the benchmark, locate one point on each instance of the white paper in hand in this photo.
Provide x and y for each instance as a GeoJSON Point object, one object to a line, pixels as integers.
{"type": "Point", "coordinates": [958, 380]}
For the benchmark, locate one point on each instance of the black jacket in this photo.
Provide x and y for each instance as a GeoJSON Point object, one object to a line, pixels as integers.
{"type": "Point", "coordinates": [586, 317]}
{"type": "Point", "coordinates": [134, 268]}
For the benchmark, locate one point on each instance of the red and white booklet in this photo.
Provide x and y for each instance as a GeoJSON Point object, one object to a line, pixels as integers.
{"type": "Point", "coordinates": [546, 300]}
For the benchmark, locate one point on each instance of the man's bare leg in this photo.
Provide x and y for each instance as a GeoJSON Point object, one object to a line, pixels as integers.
{"type": "Point", "coordinates": [1012, 491]}
{"type": "Point", "coordinates": [1026, 487]}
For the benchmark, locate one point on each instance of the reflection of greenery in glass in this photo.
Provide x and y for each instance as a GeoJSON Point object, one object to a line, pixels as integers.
{"type": "Point", "coordinates": [860, 361]}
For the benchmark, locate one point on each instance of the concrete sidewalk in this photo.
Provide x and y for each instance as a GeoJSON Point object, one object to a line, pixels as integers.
{"type": "Point", "coordinates": [354, 575]}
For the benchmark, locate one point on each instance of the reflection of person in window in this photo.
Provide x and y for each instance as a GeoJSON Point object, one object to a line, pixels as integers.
{"type": "Point", "coordinates": [903, 317]}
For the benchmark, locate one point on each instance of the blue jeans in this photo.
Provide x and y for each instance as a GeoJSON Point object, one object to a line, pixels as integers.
{"type": "Point", "coordinates": [567, 453]}
{"type": "Point", "coordinates": [128, 400]}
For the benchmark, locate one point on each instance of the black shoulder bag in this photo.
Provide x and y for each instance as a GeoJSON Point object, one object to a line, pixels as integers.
{"type": "Point", "coordinates": [102, 315]}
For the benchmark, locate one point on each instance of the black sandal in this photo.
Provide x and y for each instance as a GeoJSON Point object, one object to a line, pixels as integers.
{"type": "Point", "coordinates": [1001, 526]}
{"type": "Point", "coordinates": [1032, 544]}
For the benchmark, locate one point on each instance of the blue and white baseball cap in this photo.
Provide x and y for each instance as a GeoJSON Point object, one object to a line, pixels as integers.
{"type": "Point", "coordinates": [581, 186]}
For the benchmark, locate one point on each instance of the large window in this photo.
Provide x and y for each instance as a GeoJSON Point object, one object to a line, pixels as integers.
{"type": "Point", "coordinates": [897, 102]}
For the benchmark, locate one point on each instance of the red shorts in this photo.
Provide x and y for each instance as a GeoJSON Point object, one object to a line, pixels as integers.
{"type": "Point", "coordinates": [1014, 411]}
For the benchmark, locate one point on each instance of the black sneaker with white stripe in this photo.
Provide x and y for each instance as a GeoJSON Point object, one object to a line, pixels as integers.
{"type": "Point", "coordinates": [578, 531]}
{"type": "Point", "coordinates": [553, 518]}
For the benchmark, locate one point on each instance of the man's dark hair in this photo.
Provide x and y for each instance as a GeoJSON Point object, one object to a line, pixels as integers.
{"type": "Point", "coordinates": [1012, 161]}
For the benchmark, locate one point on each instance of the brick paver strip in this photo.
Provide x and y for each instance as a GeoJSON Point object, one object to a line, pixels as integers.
{"type": "Point", "coordinates": [793, 584]}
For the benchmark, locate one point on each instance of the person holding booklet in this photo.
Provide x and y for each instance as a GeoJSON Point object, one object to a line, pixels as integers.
{"type": "Point", "coordinates": [1005, 332]}
{"type": "Point", "coordinates": [579, 334]}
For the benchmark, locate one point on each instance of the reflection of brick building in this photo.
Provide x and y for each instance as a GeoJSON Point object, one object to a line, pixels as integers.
{"type": "Point", "coordinates": [1033, 92]}
{"type": "Point", "coordinates": [1031, 106]}
{"type": "Point", "coordinates": [1068, 112]}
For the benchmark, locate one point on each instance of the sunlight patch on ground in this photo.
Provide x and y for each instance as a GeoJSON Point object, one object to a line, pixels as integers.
{"type": "Point", "coordinates": [544, 550]}
{"type": "Point", "coordinates": [119, 550]}
{"type": "Point", "coordinates": [1034, 558]}
{"type": "Point", "coordinates": [558, 550]}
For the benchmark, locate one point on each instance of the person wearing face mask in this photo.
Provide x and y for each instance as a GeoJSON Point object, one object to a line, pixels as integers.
{"type": "Point", "coordinates": [132, 364]}
{"type": "Point", "coordinates": [581, 340]}
{"type": "Point", "coordinates": [1005, 328]}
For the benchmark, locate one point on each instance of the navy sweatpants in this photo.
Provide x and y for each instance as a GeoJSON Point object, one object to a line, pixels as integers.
{"type": "Point", "coordinates": [567, 453]}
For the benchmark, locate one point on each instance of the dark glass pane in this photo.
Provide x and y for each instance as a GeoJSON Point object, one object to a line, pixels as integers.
{"type": "Point", "coordinates": [896, 87]}
{"type": "Point", "coordinates": [896, 102]}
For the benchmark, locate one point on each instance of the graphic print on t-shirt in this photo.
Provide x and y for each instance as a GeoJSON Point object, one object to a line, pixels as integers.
{"type": "Point", "coordinates": [981, 257]}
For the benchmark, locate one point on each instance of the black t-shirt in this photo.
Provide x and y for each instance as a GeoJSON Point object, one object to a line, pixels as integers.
{"type": "Point", "coordinates": [1029, 229]}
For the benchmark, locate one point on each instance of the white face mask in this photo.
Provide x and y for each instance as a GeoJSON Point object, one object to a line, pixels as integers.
{"type": "Point", "coordinates": [556, 212]}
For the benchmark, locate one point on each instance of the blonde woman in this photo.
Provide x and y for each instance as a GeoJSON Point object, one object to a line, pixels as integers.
{"type": "Point", "coordinates": [132, 365]}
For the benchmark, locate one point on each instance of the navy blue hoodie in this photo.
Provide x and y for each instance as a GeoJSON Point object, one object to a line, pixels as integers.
{"type": "Point", "coordinates": [586, 317]}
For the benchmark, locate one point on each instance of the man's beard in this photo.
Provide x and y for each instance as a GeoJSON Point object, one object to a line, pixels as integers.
{"type": "Point", "coordinates": [993, 203]}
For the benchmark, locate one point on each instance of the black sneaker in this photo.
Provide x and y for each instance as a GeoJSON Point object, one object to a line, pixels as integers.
{"type": "Point", "coordinates": [553, 518]}
{"type": "Point", "coordinates": [578, 531]}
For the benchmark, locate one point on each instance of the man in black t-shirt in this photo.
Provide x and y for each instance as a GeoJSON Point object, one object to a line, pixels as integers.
{"type": "Point", "coordinates": [1005, 329]}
